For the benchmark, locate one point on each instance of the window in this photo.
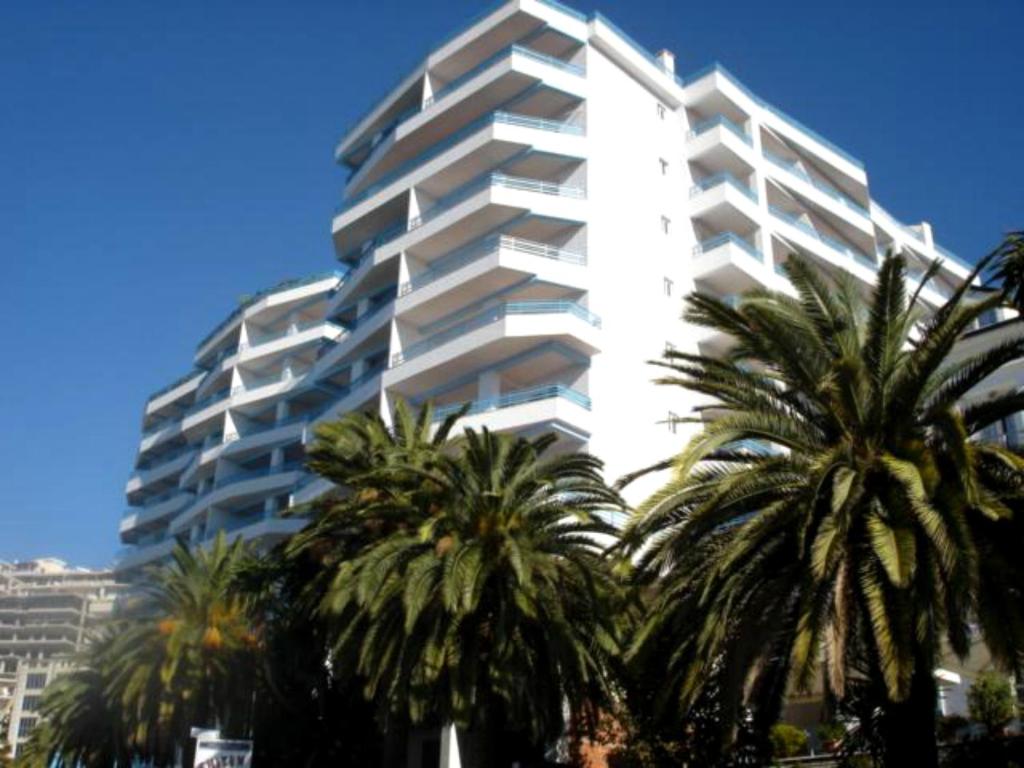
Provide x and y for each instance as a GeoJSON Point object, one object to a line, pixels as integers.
{"type": "Point", "coordinates": [30, 703]}
{"type": "Point", "coordinates": [665, 223]}
{"type": "Point", "coordinates": [668, 286]}
{"type": "Point", "coordinates": [664, 166]}
{"type": "Point", "coordinates": [25, 726]}
{"type": "Point", "coordinates": [36, 681]}
{"type": "Point", "coordinates": [661, 111]}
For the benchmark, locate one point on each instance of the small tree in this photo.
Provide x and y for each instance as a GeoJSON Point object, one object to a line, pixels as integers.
{"type": "Point", "coordinates": [787, 740]}
{"type": "Point", "coordinates": [990, 702]}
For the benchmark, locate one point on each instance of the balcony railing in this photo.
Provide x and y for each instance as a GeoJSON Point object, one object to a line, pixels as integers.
{"type": "Point", "coordinates": [216, 397]}
{"type": "Point", "coordinates": [492, 315]}
{"type": "Point", "coordinates": [720, 120]}
{"type": "Point", "coordinates": [175, 384]}
{"type": "Point", "coordinates": [252, 474]}
{"type": "Point", "coordinates": [486, 247]}
{"type": "Point", "coordinates": [518, 397]}
{"type": "Point", "coordinates": [831, 242]}
{"type": "Point", "coordinates": [791, 167]}
{"type": "Point", "coordinates": [506, 118]}
{"type": "Point", "coordinates": [722, 178]}
{"type": "Point", "coordinates": [716, 68]}
{"type": "Point", "coordinates": [259, 339]}
{"type": "Point", "coordinates": [446, 203]}
{"type": "Point", "coordinates": [706, 246]}
{"type": "Point", "coordinates": [451, 86]}
{"type": "Point", "coordinates": [250, 300]}
{"type": "Point", "coordinates": [156, 462]}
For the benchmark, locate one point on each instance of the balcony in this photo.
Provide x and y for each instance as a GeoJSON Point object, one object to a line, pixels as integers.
{"type": "Point", "coordinates": [241, 483]}
{"type": "Point", "coordinates": [836, 247]}
{"type": "Point", "coordinates": [217, 333]}
{"type": "Point", "coordinates": [810, 186]}
{"type": "Point", "coordinates": [404, 170]}
{"type": "Point", "coordinates": [483, 205]}
{"type": "Point", "coordinates": [494, 81]}
{"type": "Point", "coordinates": [511, 399]}
{"type": "Point", "coordinates": [493, 315]}
{"type": "Point", "coordinates": [143, 554]}
{"type": "Point", "coordinates": [719, 179]}
{"type": "Point", "coordinates": [171, 392]}
{"type": "Point", "coordinates": [480, 271]}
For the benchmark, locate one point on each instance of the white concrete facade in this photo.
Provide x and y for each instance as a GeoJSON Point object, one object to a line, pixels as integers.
{"type": "Point", "coordinates": [523, 215]}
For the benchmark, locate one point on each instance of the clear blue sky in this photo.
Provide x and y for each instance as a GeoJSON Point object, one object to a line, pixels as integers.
{"type": "Point", "coordinates": [159, 159]}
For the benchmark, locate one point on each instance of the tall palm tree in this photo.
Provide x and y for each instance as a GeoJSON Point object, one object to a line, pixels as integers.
{"type": "Point", "coordinates": [185, 656]}
{"type": "Point", "coordinates": [480, 600]}
{"type": "Point", "coordinates": [189, 659]}
{"type": "Point", "coordinates": [834, 506]}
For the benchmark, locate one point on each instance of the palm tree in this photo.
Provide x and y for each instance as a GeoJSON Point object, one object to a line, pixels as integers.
{"type": "Point", "coordinates": [834, 505]}
{"type": "Point", "coordinates": [189, 660]}
{"type": "Point", "coordinates": [81, 722]}
{"type": "Point", "coordinates": [1009, 268]}
{"type": "Point", "coordinates": [185, 656]}
{"type": "Point", "coordinates": [478, 600]}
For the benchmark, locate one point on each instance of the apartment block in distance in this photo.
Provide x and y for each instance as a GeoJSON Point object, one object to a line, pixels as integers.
{"type": "Point", "coordinates": [47, 610]}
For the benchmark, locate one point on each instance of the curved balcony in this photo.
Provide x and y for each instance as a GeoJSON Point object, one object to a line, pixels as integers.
{"type": "Point", "coordinates": [484, 268]}
{"type": "Point", "coordinates": [487, 337]}
{"type": "Point", "coordinates": [486, 86]}
{"type": "Point", "coordinates": [728, 260]}
{"type": "Point", "coordinates": [724, 202]}
{"type": "Point", "coordinates": [155, 511]}
{"type": "Point", "coordinates": [817, 242]}
{"type": "Point", "coordinates": [404, 176]}
{"type": "Point", "coordinates": [329, 278]}
{"type": "Point", "coordinates": [251, 482]}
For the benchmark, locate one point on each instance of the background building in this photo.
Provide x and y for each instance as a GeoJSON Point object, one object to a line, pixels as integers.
{"type": "Point", "coordinates": [47, 610]}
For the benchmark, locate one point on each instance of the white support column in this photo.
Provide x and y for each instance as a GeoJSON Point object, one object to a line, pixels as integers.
{"type": "Point", "coordinates": [488, 385]}
{"type": "Point", "coordinates": [450, 748]}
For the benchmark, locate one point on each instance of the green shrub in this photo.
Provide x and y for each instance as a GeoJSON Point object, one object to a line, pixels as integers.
{"type": "Point", "coordinates": [787, 740]}
{"type": "Point", "coordinates": [990, 702]}
{"type": "Point", "coordinates": [831, 733]}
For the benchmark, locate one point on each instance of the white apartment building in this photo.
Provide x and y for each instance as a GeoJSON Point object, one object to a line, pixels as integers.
{"type": "Point", "coordinates": [46, 612]}
{"type": "Point", "coordinates": [523, 214]}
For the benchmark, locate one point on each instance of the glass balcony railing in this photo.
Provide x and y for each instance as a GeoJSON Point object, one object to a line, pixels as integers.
{"type": "Point", "coordinates": [706, 246]}
{"type": "Point", "coordinates": [175, 384]}
{"type": "Point", "coordinates": [720, 120]}
{"type": "Point", "coordinates": [506, 118]}
{"type": "Point", "coordinates": [258, 339]}
{"type": "Point", "coordinates": [793, 168]}
{"type": "Point", "coordinates": [450, 87]}
{"type": "Point", "coordinates": [216, 397]}
{"type": "Point", "coordinates": [252, 474]}
{"type": "Point", "coordinates": [492, 315]}
{"type": "Point", "coordinates": [486, 247]}
{"type": "Point", "coordinates": [722, 178]}
{"type": "Point", "coordinates": [156, 462]}
{"type": "Point", "coordinates": [250, 300]}
{"type": "Point", "coordinates": [393, 231]}
{"type": "Point", "coordinates": [518, 397]}
{"type": "Point", "coordinates": [831, 242]}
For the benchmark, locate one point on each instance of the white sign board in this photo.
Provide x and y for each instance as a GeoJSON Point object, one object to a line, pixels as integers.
{"type": "Point", "coordinates": [212, 752]}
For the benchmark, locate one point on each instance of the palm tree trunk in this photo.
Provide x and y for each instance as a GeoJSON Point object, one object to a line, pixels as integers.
{"type": "Point", "coordinates": [908, 727]}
